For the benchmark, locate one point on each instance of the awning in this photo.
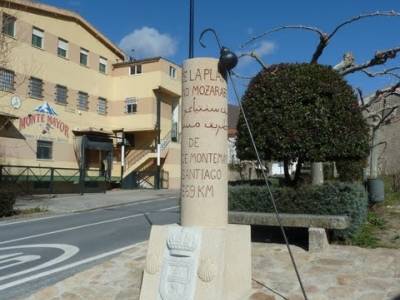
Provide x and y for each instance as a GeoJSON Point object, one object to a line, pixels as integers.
{"type": "Point", "coordinates": [7, 115]}
{"type": "Point", "coordinates": [7, 128]}
{"type": "Point", "coordinates": [164, 90]}
{"type": "Point", "coordinates": [92, 131]}
{"type": "Point", "coordinates": [132, 130]}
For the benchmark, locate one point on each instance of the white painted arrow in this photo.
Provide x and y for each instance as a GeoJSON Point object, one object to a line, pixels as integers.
{"type": "Point", "coordinates": [68, 252]}
{"type": "Point", "coordinates": [19, 260]}
{"type": "Point", "coordinates": [8, 255]}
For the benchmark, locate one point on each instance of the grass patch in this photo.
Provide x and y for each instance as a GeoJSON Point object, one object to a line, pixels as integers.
{"type": "Point", "coordinates": [29, 211]}
{"type": "Point", "coordinates": [366, 236]}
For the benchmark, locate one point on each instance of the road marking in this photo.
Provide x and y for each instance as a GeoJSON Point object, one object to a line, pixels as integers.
{"type": "Point", "coordinates": [19, 260]}
{"type": "Point", "coordinates": [31, 220]}
{"type": "Point", "coordinates": [74, 228]}
{"type": "Point", "coordinates": [9, 255]}
{"type": "Point", "coordinates": [81, 212]}
{"type": "Point", "coordinates": [68, 250]}
{"type": "Point", "coordinates": [168, 208]}
{"type": "Point", "coordinates": [66, 267]}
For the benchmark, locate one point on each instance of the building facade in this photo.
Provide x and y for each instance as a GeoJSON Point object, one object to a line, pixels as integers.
{"type": "Point", "coordinates": [70, 98]}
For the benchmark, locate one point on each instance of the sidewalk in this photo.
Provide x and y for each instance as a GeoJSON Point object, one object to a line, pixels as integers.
{"type": "Point", "coordinates": [66, 203]}
{"type": "Point", "coordinates": [342, 272]}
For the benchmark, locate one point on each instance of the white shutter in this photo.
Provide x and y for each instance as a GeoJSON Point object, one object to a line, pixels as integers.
{"type": "Point", "coordinates": [83, 51]}
{"type": "Point", "coordinates": [38, 32]}
{"type": "Point", "coordinates": [103, 61]}
{"type": "Point", "coordinates": [63, 44]}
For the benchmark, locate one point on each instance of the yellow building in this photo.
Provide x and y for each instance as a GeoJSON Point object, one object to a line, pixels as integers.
{"type": "Point", "coordinates": [69, 98]}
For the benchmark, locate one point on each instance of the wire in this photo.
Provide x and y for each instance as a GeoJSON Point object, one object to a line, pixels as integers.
{"type": "Point", "coordinates": [278, 217]}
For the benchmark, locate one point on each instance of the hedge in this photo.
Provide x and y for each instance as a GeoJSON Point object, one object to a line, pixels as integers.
{"type": "Point", "coordinates": [351, 170]}
{"type": "Point", "coordinates": [332, 198]}
{"type": "Point", "coordinates": [7, 201]}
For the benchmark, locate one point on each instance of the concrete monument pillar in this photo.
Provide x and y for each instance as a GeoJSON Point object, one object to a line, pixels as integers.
{"type": "Point", "coordinates": [204, 188]}
{"type": "Point", "coordinates": [204, 258]}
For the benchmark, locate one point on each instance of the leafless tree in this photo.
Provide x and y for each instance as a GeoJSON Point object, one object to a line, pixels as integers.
{"type": "Point", "coordinates": [377, 111]}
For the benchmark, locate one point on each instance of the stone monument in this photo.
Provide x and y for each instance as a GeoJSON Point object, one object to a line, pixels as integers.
{"type": "Point", "coordinates": [205, 258]}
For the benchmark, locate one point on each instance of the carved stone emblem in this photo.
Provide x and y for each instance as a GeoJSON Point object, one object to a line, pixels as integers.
{"type": "Point", "coordinates": [207, 270]}
{"type": "Point", "coordinates": [178, 273]}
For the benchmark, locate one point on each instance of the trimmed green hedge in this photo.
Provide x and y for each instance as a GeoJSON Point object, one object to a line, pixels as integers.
{"type": "Point", "coordinates": [336, 198]}
{"type": "Point", "coordinates": [350, 170]}
{"type": "Point", "coordinates": [7, 201]}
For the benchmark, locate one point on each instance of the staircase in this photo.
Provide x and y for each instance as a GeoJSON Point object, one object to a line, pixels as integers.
{"type": "Point", "coordinates": [140, 163]}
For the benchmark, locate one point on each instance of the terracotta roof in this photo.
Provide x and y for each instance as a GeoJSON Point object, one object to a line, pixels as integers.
{"type": "Point", "coordinates": [59, 13]}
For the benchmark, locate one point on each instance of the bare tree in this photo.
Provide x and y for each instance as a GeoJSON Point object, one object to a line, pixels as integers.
{"type": "Point", "coordinates": [380, 110]}
{"type": "Point", "coordinates": [376, 118]}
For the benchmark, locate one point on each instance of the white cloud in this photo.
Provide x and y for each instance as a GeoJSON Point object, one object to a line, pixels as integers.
{"type": "Point", "coordinates": [262, 49]}
{"type": "Point", "coordinates": [148, 42]}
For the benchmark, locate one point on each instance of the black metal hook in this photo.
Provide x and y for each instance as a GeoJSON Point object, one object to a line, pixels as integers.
{"type": "Point", "coordinates": [227, 58]}
{"type": "Point", "coordinates": [215, 35]}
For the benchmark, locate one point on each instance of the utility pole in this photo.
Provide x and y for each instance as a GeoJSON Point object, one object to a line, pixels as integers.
{"type": "Point", "coordinates": [157, 184]}
{"type": "Point", "coordinates": [191, 30]}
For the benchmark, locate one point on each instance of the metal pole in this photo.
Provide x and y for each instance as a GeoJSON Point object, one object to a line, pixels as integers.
{"type": "Point", "coordinates": [191, 30]}
{"type": "Point", "coordinates": [122, 156]}
{"type": "Point", "coordinates": [158, 172]}
{"type": "Point", "coordinates": [82, 166]}
{"type": "Point", "coordinates": [51, 180]}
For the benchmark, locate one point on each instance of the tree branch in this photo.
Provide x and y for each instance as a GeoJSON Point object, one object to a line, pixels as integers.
{"type": "Point", "coordinates": [347, 62]}
{"type": "Point", "coordinates": [280, 28]}
{"type": "Point", "coordinates": [379, 58]}
{"type": "Point", "coordinates": [391, 13]}
{"type": "Point", "coordinates": [383, 73]}
{"type": "Point", "coordinates": [323, 43]}
{"type": "Point", "coordinates": [379, 95]}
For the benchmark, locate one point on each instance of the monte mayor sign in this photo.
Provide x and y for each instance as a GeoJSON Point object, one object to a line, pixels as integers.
{"type": "Point", "coordinates": [46, 118]}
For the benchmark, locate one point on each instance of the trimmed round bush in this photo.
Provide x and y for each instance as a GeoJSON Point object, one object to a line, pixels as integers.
{"type": "Point", "coordinates": [350, 170]}
{"type": "Point", "coordinates": [7, 201]}
{"type": "Point", "coordinates": [336, 198]}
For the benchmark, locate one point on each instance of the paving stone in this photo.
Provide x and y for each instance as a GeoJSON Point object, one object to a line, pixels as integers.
{"type": "Point", "coordinates": [261, 296]}
{"type": "Point", "coordinates": [372, 296]}
{"type": "Point", "coordinates": [341, 292]}
{"type": "Point", "coordinates": [70, 296]}
{"type": "Point", "coordinates": [341, 272]}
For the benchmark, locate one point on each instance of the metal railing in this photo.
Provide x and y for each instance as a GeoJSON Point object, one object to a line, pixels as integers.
{"type": "Point", "coordinates": [34, 179]}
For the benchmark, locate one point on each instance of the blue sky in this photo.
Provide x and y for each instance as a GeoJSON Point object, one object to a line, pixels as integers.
{"type": "Point", "coordinates": [155, 27]}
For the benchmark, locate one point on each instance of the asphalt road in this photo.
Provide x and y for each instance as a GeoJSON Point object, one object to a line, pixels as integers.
{"type": "Point", "coordinates": [35, 253]}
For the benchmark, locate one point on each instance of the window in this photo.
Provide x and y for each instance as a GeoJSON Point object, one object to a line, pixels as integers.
{"type": "Point", "coordinates": [103, 65]}
{"type": "Point", "coordinates": [7, 80]}
{"type": "Point", "coordinates": [83, 101]}
{"type": "Point", "coordinates": [62, 48]}
{"type": "Point", "coordinates": [130, 105]}
{"type": "Point", "coordinates": [44, 150]}
{"type": "Point", "coordinates": [61, 94]}
{"type": "Point", "coordinates": [37, 37]}
{"type": "Point", "coordinates": [35, 88]}
{"type": "Point", "coordinates": [9, 25]}
{"type": "Point", "coordinates": [102, 106]}
{"type": "Point", "coordinates": [135, 69]}
{"type": "Point", "coordinates": [84, 57]}
{"type": "Point", "coordinates": [172, 72]}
